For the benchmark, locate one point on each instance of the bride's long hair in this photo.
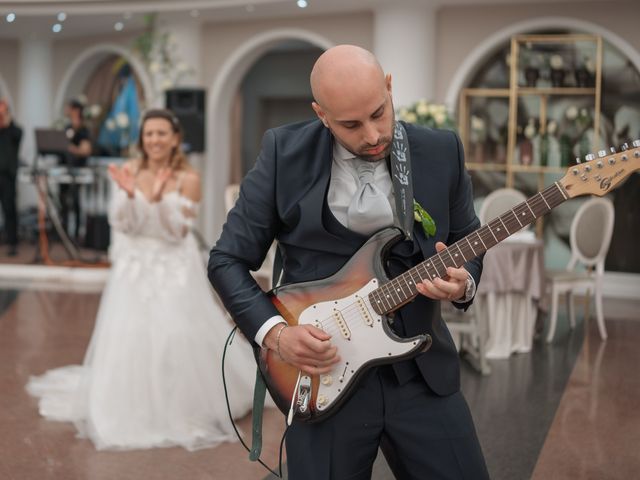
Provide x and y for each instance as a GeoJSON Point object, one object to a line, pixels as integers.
{"type": "Point", "coordinates": [178, 160]}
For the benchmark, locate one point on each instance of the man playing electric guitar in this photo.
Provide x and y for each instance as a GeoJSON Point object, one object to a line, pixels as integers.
{"type": "Point", "coordinates": [321, 189]}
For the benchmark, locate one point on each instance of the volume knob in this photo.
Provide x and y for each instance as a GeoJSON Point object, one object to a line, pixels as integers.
{"type": "Point", "coordinates": [326, 380]}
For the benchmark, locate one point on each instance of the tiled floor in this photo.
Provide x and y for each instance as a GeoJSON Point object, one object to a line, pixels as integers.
{"type": "Point", "coordinates": [563, 411]}
{"type": "Point", "coordinates": [41, 330]}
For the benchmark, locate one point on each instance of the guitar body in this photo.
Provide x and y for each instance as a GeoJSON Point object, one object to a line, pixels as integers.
{"type": "Point", "coordinates": [340, 306]}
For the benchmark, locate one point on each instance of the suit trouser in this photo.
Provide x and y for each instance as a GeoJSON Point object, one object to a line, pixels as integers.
{"type": "Point", "coordinates": [9, 212]}
{"type": "Point", "coordinates": [422, 435]}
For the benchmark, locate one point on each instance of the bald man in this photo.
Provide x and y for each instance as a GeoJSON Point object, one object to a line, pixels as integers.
{"type": "Point", "coordinates": [312, 189]}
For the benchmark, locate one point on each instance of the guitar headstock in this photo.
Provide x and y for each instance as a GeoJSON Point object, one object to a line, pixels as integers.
{"type": "Point", "coordinates": [602, 173]}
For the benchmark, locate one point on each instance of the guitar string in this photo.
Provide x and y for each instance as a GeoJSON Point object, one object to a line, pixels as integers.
{"type": "Point", "coordinates": [510, 222]}
{"type": "Point", "coordinates": [394, 287]}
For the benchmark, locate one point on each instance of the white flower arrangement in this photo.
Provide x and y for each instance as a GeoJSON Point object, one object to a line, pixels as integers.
{"type": "Point", "coordinates": [589, 65]}
{"type": "Point", "coordinates": [571, 113]}
{"type": "Point", "coordinates": [95, 110]}
{"type": "Point", "coordinates": [556, 62]}
{"type": "Point", "coordinates": [122, 120]}
{"type": "Point", "coordinates": [428, 114]}
{"type": "Point", "coordinates": [530, 130]}
{"type": "Point", "coordinates": [158, 51]}
{"type": "Point", "coordinates": [478, 132]}
{"type": "Point", "coordinates": [552, 127]}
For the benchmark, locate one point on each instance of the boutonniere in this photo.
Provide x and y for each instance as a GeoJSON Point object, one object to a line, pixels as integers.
{"type": "Point", "coordinates": [422, 216]}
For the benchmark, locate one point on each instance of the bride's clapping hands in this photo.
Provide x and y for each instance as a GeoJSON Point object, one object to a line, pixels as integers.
{"type": "Point", "coordinates": [123, 177]}
{"type": "Point", "coordinates": [160, 182]}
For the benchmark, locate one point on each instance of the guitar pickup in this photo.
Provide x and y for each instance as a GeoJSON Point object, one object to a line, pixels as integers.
{"type": "Point", "coordinates": [342, 324]}
{"type": "Point", "coordinates": [364, 312]}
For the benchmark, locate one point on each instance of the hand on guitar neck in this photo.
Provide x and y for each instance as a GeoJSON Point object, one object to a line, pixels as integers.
{"type": "Point", "coordinates": [452, 287]}
{"type": "Point", "coordinates": [304, 346]}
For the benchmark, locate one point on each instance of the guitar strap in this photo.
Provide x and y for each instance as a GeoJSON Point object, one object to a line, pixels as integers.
{"type": "Point", "coordinates": [401, 175]}
{"type": "Point", "coordinates": [260, 387]}
{"type": "Point", "coordinates": [259, 392]}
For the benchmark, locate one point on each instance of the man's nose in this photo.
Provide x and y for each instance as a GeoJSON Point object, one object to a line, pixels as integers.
{"type": "Point", "coordinates": [371, 134]}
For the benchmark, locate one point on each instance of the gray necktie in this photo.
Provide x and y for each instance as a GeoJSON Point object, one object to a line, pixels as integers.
{"type": "Point", "coordinates": [369, 210]}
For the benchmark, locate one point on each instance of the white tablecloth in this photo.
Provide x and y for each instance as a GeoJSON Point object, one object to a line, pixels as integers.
{"type": "Point", "coordinates": [508, 294]}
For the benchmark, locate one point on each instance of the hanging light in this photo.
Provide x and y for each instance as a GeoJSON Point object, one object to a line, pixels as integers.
{"type": "Point", "coordinates": [57, 28]}
{"type": "Point", "coordinates": [302, 3]}
{"type": "Point", "coordinates": [11, 17]}
{"type": "Point", "coordinates": [62, 17]}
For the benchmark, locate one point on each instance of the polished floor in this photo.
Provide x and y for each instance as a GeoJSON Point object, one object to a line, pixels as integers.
{"type": "Point", "coordinates": [563, 411]}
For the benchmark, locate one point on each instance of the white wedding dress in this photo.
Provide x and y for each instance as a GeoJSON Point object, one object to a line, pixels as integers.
{"type": "Point", "coordinates": [151, 376]}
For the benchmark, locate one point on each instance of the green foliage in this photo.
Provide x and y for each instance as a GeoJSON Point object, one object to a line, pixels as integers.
{"type": "Point", "coordinates": [422, 216]}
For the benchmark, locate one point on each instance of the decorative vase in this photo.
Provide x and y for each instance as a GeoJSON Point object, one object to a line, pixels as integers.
{"type": "Point", "coordinates": [531, 75]}
{"type": "Point", "coordinates": [583, 77]}
{"type": "Point", "coordinates": [557, 77]}
{"type": "Point", "coordinates": [566, 148]}
{"type": "Point", "coordinates": [544, 150]}
{"type": "Point", "coordinates": [526, 152]}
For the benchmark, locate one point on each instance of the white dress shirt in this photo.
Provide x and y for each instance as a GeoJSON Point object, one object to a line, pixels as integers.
{"type": "Point", "coordinates": [342, 187]}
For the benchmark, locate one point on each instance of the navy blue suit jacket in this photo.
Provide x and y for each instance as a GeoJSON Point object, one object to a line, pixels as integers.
{"type": "Point", "coordinates": [284, 197]}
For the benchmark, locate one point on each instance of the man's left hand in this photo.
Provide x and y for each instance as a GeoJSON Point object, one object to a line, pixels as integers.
{"type": "Point", "coordinates": [451, 287]}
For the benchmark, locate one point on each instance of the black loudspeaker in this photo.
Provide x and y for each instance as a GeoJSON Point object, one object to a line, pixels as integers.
{"type": "Point", "coordinates": [98, 233]}
{"type": "Point", "coordinates": [188, 104]}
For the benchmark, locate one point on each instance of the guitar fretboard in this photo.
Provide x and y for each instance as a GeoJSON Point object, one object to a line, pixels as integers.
{"type": "Point", "coordinates": [402, 289]}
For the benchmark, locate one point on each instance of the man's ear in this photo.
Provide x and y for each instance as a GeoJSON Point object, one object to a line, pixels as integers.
{"type": "Point", "coordinates": [388, 82]}
{"type": "Point", "coordinates": [320, 113]}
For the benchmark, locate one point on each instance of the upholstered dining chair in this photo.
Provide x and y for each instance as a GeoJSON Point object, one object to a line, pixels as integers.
{"type": "Point", "coordinates": [468, 325]}
{"type": "Point", "coordinates": [265, 272]}
{"type": "Point", "coordinates": [498, 202]}
{"type": "Point", "coordinates": [590, 236]}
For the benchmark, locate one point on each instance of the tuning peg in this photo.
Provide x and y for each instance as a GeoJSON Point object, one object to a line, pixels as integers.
{"type": "Point", "coordinates": [602, 153]}
{"type": "Point", "coordinates": [625, 146]}
{"type": "Point", "coordinates": [636, 143]}
{"type": "Point", "coordinates": [589, 156]}
{"type": "Point", "coordinates": [578, 160]}
{"type": "Point", "coordinates": [612, 149]}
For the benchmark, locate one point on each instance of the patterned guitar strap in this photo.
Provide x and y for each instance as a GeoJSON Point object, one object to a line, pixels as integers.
{"type": "Point", "coordinates": [401, 174]}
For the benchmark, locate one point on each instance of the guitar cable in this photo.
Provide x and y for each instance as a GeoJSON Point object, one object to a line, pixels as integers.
{"type": "Point", "coordinates": [233, 423]}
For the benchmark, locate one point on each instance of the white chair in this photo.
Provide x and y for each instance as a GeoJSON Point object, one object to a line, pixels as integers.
{"type": "Point", "coordinates": [473, 334]}
{"type": "Point", "coordinates": [265, 272]}
{"type": "Point", "coordinates": [498, 202]}
{"type": "Point", "coordinates": [590, 236]}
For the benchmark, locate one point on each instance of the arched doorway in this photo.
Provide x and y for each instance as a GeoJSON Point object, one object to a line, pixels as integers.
{"type": "Point", "coordinates": [85, 64]}
{"type": "Point", "coordinates": [217, 168]}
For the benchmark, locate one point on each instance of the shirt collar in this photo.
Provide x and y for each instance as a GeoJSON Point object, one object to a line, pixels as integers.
{"type": "Point", "coordinates": [341, 153]}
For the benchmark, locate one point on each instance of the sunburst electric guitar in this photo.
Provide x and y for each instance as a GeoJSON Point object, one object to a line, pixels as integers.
{"type": "Point", "coordinates": [353, 305]}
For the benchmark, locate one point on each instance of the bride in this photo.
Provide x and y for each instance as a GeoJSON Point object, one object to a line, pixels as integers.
{"type": "Point", "coordinates": [151, 374]}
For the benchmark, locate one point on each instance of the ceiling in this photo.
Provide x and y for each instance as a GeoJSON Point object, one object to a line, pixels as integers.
{"type": "Point", "coordinates": [91, 17]}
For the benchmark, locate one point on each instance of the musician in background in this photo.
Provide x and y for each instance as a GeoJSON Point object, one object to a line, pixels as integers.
{"type": "Point", "coordinates": [321, 188]}
{"type": "Point", "coordinates": [10, 136]}
{"type": "Point", "coordinates": [79, 150]}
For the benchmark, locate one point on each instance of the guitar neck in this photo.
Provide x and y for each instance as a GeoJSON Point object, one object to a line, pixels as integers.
{"type": "Point", "coordinates": [402, 289]}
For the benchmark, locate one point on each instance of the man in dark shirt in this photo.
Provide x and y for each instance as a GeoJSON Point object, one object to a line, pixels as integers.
{"type": "Point", "coordinates": [78, 151]}
{"type": "Point", "coordinates": [10, 136]}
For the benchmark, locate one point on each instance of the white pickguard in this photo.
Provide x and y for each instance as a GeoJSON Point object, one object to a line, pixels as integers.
{"type": "Point", "coordinates": [358, 333]}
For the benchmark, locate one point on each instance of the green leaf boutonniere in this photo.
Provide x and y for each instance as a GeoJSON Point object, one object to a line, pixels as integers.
{"type": "Point", "coordinates": [422, 216]}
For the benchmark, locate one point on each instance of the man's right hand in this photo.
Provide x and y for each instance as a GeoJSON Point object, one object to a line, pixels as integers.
{"type": "Point", "coordinates": [304, 346]}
